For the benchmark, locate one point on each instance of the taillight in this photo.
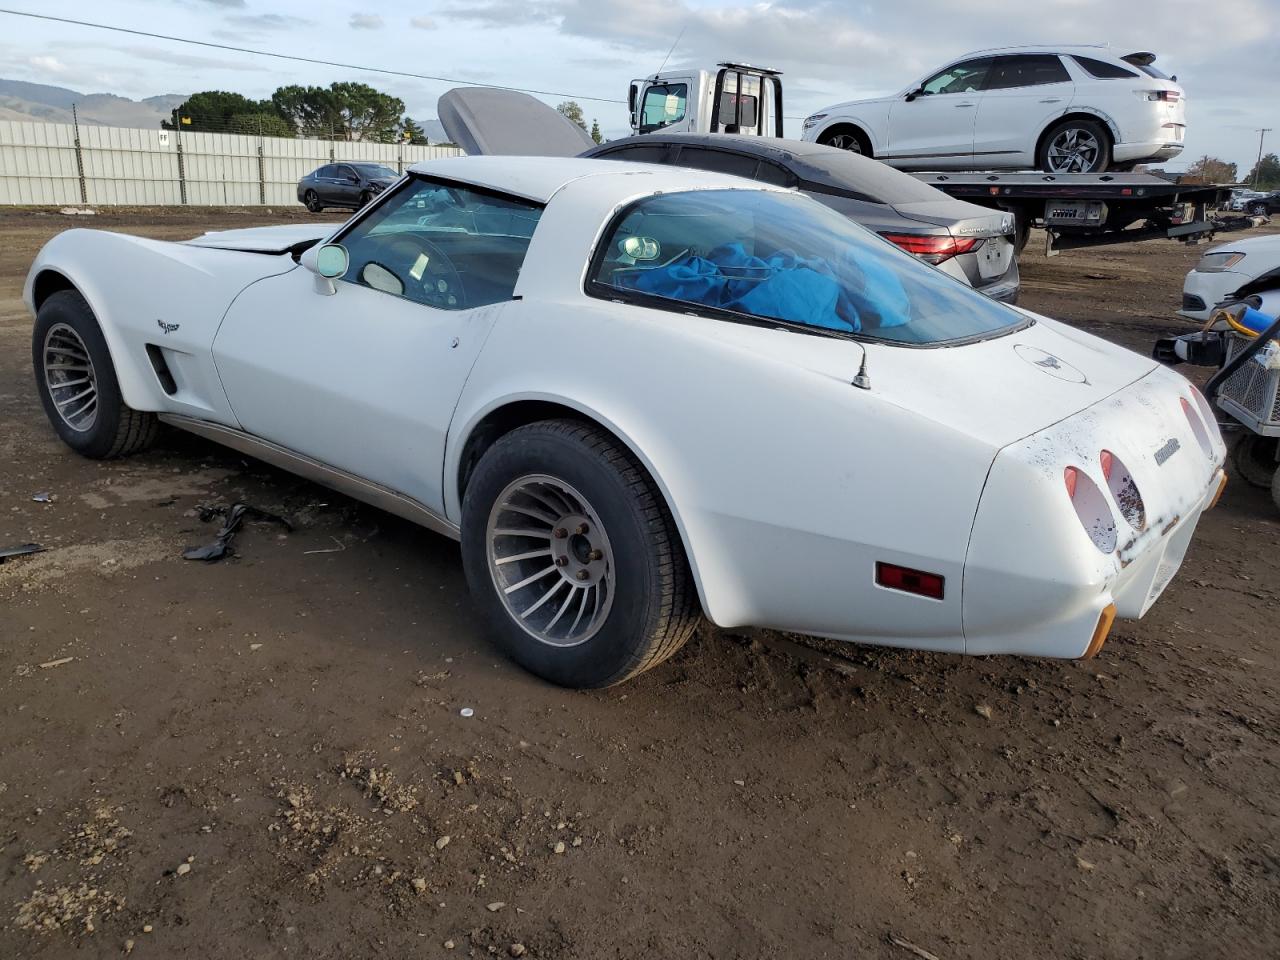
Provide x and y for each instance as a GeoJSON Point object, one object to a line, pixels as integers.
{"type": "Point", "coordinates": [910, 581]}
{"type": "Point", "coordinates": [1091, 508]}
{"type": "Point", "coordinates": [1162, 96]}
{"type": "Point", "coordinates": [932, 249]}
{"type": "Point", "coordinates": [1198, 428]}
{"type": "Point", "coordinates": [1124, 489]}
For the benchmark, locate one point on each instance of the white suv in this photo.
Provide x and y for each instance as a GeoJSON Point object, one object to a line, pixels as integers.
{"type": "Point", "coordinates": [1062, 109]}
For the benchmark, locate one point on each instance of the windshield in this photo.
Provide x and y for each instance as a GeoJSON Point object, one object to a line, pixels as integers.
{"type": "Point", "coordinates": [770, 256]}
{"type": "Point", "coordinates": [376, 170]}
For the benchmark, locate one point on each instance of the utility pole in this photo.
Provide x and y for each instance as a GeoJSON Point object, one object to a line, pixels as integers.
{"type": "Point", "coordinates": [1257, 168]}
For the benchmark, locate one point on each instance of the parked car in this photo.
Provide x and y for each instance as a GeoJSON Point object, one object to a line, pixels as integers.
{"type": "Point", "coordinates": [1061, 109]}
{"type": "Point", "coordinates": [1226, 268]}
{"type": "Point", "coordinates": [971, 243]}
{"type": "Point", "coordinates": [349, 185]}
{"type": "Point", "coordinates": [640, 393]}
{"type": "Point", "coordinates": [1263, 204]}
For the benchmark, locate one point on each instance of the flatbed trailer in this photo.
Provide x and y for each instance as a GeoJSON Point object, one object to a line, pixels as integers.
{"type": "Point", "coordinates": [1095, 209]}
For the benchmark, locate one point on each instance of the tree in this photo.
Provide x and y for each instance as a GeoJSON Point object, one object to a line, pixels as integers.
{"type": "Point", "coordinates": [572, 111]}
{"type": "Point", "coordinates": [261, 125]}
{"type": "Point", "coordinates": [1213, 170]}
{"type": "Point", "coordinates": [213, 110]}
{"type": "Point", "coordinates": [344, 111]}
{"type": "Point", "coordinates": [411, 132]}
{"type": "Point", "coordinates": [595, 132]}
{"type": "Point", "coordinates": [1265, 174]}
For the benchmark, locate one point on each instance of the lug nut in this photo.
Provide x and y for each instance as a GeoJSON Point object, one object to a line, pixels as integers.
{"type": "Point", "coordinates": [594, 555]}
{"type": "Point", "coordinates": [562, 561]}
{"type": "Point", "coordinates": [559, 533]}
{"type": "Point", "coordinates": [582, 529]}
{"type": "Point", "coordinates": [582, 575]}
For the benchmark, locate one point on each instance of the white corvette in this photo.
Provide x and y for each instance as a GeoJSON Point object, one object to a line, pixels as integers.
{"type": "Point", "coordinates": [638, 394]}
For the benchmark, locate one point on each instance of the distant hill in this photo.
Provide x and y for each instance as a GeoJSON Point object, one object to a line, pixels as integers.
{"type": "Point", "coordinates": [20, 100]}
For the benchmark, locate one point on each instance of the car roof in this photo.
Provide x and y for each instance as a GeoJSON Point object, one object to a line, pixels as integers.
{"type": "Point", "coordinates": [540, 178]}
{"type": "Point", "coordinates": [816, 165]}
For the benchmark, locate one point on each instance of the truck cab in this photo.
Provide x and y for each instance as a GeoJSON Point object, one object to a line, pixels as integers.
{"type": "Point", "coordinates": [734, 98]}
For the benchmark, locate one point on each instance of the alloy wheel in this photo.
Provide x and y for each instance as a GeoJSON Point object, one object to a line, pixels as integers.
{"type": "Point", "coordinates": [550, 560]}
{"type": "Point", "coordinates": [69, 377]}
{"type": "Point", "coordinates": [1074, 150]}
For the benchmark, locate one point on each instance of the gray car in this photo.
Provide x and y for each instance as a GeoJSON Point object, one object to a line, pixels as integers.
{"type": "Point", "coordinates": [972, 243]}
{"type": "Point", "coordinates": [348, 185]}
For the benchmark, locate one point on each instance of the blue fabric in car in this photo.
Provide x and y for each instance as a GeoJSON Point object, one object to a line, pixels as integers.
{"type": "Point", "coordinates": [784, 286]}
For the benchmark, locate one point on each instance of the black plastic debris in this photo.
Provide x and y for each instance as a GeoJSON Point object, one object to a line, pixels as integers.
{"type": "Point", "coordinates": [233, 517]}
{"type": "Point", "coordinates": [21, 550]}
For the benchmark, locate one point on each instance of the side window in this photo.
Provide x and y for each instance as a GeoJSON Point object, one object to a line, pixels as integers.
{"type": "Point", "coordinates": [718, 161]}
{"type": "Point", "coordinates": [775, 174]}
{"type": "Point", "coordinates": [1101, 70]}
{"type": "Point", "coordinates": [443, 245]}
{"type": "Point", "coordinates": [1026, 71]}
{"type": "Point", "coordinates": [641, 153]}
{"type": "Point", "coordinates": [325, 172]}
{"type": "Point", "coordinates": [346, 173]}
{"type": "Point", "coordinates": [664, 104]}
{"type": "Point", "coordinates": [966, 77]}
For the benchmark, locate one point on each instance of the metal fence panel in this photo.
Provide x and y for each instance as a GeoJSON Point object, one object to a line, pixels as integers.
{"type": "Point", "coordinates": [41, 164]}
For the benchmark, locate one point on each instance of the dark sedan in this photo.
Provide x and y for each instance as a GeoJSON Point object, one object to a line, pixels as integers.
{"type": "Point", "coordinates": [972, 243]}
{"type": "Point", "coordinates": [1264, 205]}
{"type": "Point", "coordinates": [349, 185]}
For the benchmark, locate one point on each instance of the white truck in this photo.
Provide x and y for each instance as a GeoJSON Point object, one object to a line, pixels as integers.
{"type": "Point", "coordinates": [733, 98]}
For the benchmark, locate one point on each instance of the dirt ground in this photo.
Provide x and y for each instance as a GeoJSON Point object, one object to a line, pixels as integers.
{"type": "Point", "coordinates": [266, 757]}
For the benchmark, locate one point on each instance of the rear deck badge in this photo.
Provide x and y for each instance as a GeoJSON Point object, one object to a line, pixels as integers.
{"type": "Point", "coordinates": [1050, 364]}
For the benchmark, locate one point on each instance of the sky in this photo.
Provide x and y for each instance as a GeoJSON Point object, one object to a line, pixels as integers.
{"type": "Point", "coordinates": [1222, 53]}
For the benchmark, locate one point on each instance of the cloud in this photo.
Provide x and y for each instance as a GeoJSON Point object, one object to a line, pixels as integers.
{"type": "Point", "coordinates": [506, 13]}
{"type": "Point", "coordinates": [422, 23]}
{"type": "Point", "coordinates": [47, 65]}
{"type": "Point", "coordinates": [267, 21]}
{"type": "Point", "coordinates": [365, 21]}
{"type": "Point", "coordinates": [238, 4]}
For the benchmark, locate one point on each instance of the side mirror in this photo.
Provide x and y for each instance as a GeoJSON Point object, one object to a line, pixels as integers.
{"type": "Point", "coordinates": [328, 262]}
{"type": "Point", "coordinates": [913, 94]}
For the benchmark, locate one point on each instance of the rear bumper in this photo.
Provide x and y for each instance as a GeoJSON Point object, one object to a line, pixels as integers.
{"type": "Point", "coordinates": [1146, 150]}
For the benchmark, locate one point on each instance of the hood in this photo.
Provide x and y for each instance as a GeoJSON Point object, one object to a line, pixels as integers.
{"type": "Point", "coordinates": [1007, 388]}
{"type": "Point", "coordinates": [280, 239]}
{"type": "Point", "coordinates": [485, 121]}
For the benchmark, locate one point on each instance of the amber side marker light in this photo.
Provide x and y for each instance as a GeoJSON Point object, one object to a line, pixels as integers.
{"type": "Point", "coordinates": [1222, 487]}
{"type": "Point", "coordinates": [1105, 620]}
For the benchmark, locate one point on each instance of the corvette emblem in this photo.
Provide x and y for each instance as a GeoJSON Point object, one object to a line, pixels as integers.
{"type": "Point", "coordinates": [167, 327]}
{"type": "Point", "coordinates": [1170, 447]}
{"type": "Point", "coordinates": [1048, 363]}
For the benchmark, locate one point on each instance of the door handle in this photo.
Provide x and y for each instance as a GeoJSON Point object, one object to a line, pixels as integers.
{"type": "Point", "coordinates": [961, 105]}
{"type": "Point", "coordinates": [1051, 100]}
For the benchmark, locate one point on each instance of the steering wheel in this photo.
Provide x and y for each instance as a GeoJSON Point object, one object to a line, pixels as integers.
{"type": "Point", "coordinates": [426, 264]}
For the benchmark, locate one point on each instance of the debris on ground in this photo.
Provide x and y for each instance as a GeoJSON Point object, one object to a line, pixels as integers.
{"type": "Point", "coordinates": [49, 664]}
{"type": "Point", "coordinates": [911, 948]}
{"type": "Point", "coordinates": [21, 550]}
{"type": "Point", "coordinates": [44, 497]}
{"type": "Point", "coordinates": [234, 517]}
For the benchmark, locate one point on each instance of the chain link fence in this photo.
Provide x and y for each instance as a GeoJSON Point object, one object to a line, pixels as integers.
{"type": "Point", "coordinates": [59, 164]}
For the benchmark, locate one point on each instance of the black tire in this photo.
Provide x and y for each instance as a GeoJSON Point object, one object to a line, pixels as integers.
{"type": "Point", "coordinates": [846, 138]}
{"type": "Point", "coordinates": [1100, 159]}
{"type": "Point", "coordinates": [1255, 461]}
{"type": "Point", "coordinates": [654, 607]}
{"type": "Point", "coordinates": [116, 430]}
{"type": "Point", "coordinates": [365, 198]}
{"type": "Point", "coordinates": [312, 200]}
{"type": "Point", "coordinates": [1258, 210]}
{"type": "Point", "coordinates": [1275, 488]}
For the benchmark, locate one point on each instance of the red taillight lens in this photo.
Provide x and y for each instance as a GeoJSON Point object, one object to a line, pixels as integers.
{"type": "Point", "coordinates": [1105, 459]}
{"type": "Point", "coordinates": [932, 249]}
{"type": "Point", "coordinates": [1071, 475]}
{"type": "Point", "coordinates": [910, 581]}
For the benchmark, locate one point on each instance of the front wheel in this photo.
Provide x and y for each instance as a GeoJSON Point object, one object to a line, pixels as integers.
{"type": "Point", "coordinates": [78, 386]}
{"type": "Point", "coordinates": [844, 138]}
{"type": "Point", "coordinates": [312, 200]}
{"type": "Point", "coordinates": [1258, 210]}
{"type": "Point", "coordinates": [1075, 146]}
{"type": "Point", "coordinates": [1255, 459]}
{"type": "Point", "coordinates": [572, 553]}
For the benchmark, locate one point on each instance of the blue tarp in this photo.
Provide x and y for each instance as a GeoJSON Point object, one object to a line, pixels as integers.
{"type": "Point", "coordinates": [783, 287]}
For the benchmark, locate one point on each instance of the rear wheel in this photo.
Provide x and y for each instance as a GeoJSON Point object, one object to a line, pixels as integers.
{"type": "Point", "coordinates": [77, 383]}
{"type": "Point", "coordinates": [570, 550]}
{"type": "Point", "coordinates": [312, 200]}
{"type": "Point", "coordinates": [846, 138]}
{"type": "Point", "coordinates": [1075, 146]}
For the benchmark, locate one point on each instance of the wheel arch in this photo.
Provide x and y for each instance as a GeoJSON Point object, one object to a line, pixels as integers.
{"type": "Point", "coordinates": [468, 443]}
{"type": "Point", "coordinates": [1081, 113]}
